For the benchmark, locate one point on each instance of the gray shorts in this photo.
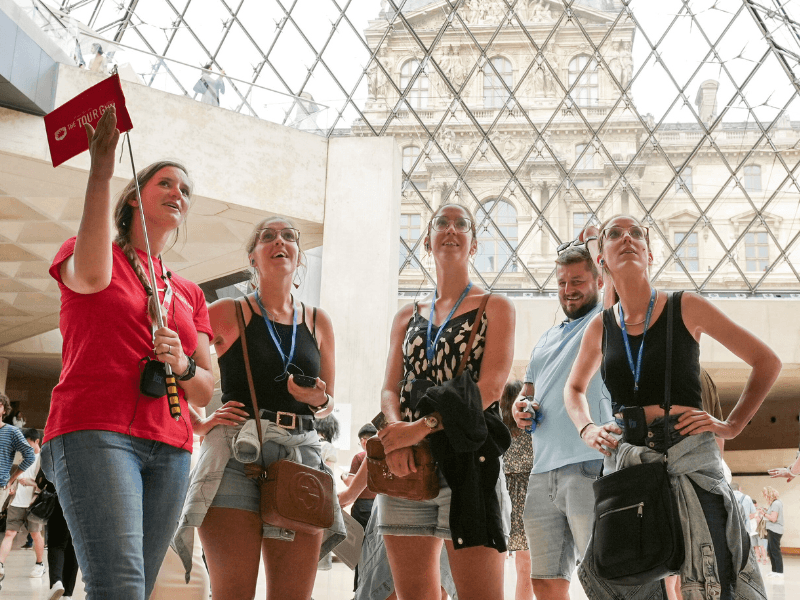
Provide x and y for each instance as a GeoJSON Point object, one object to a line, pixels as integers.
{"type": "Point", "coordinates": [558, 518]}
{"type": "Point", "coordinates": [16, 520]}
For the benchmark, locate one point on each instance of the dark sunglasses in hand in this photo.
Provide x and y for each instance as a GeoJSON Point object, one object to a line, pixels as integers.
{"type": "Point", "coordinates": [575, 243]}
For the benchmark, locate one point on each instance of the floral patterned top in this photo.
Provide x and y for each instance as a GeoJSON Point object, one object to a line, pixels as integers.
{"type": "Point", "coordinates": [447, 356]}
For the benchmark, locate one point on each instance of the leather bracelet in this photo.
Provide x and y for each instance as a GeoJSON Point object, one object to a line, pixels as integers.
{"type": "Point", "coordinates": [580, 433]}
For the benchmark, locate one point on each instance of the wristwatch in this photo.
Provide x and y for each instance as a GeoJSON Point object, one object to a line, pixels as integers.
{"type": "Point", "coordinates": [431, 422]}
{"type": "Point", "coordinates": [321, 407]}
{"type": "Point", "coordinates": [190, 370]}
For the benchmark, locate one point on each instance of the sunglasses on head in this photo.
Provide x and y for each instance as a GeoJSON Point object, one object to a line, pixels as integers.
{"type": "Point", "coordinates": [575, 244]}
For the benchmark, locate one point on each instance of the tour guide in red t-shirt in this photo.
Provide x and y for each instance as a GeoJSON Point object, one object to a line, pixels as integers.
{"type": "Point", "coordinates": [119, 461]}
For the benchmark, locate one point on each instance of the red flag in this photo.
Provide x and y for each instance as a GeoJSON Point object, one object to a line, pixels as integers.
{"type": "Point", "coordinates": [65, 133]}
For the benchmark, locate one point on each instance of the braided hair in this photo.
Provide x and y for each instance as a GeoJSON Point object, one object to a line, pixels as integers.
{"type": "Point", "coordinates": [123, 219]}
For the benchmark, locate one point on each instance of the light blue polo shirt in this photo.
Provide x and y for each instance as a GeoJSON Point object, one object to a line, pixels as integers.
{"type": "Point", "coordinates": [556, 442]}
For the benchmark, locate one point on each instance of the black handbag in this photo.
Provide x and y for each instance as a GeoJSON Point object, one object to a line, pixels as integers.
{"type": "Point", "coordinates": [637, 536]}
{"type": "Point", "coordinates": [43, 506]}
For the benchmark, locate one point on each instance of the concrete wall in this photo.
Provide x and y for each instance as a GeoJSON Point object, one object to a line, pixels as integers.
{"type": "Point", "coordinates": [231, 157]}
{"type": "Point", "coordinates": [359, 266]}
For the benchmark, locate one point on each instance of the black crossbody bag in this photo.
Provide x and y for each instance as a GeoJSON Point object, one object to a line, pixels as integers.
{"type": "Point", "coordinates": [638, 537]}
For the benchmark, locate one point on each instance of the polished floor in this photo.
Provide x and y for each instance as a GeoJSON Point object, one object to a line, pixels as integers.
{"type": "Point", "coordinates": [335, 584]}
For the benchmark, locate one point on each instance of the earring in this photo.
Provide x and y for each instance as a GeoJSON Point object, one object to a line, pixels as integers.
{"type": "Point", "coordinates": [602, 262]}
{"type": "Point", "coordinates": [252, 263]}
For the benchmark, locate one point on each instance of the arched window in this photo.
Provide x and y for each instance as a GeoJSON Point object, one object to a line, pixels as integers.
{"type": "Point", "coordinates": [585, 92]}
{"type": "Point", "coordinates": [752, 178]}
{"type": "Point", "coordinates": [495, 236]}
{"type": "Point", "coordinates": [494, 93]}
{"type": "Point", "coordinates": [410, 154]}
{"type": "Point", "coordinates": [417, 96]}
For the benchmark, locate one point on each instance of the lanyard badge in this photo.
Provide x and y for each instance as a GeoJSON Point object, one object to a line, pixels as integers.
{"type": "Point", "coordinates": [430, 343]}
{"type": "Point", "coordinates": [286, 360]}
{"type": "Point", "coordinates": [637, 370]}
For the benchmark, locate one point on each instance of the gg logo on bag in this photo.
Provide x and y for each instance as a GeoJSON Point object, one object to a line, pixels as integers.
{"type": "Point", "coordinates": [307, 490]}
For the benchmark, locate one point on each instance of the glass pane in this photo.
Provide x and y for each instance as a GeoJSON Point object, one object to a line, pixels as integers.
{"type": "Point", "coordinates": [679, 114]}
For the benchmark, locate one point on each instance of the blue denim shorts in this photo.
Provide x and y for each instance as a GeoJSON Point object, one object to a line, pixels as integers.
{"type": "Point", "coordinates": [237, 491]}
{"type": "Point", "coordinates": [398, 516]}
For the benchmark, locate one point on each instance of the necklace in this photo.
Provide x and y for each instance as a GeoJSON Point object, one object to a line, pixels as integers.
{"type": "Point", "coordinates": [643, 320]}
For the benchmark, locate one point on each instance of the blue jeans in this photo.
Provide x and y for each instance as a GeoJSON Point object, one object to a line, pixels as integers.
{"type": "Point", "coordinates": [122, 497]}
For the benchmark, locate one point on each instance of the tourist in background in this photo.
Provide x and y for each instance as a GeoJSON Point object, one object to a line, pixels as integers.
{"type": "Point", "coordinates": [773, 515]}
{"type": "Point", "coordinates": [517, 464]}
{"type": "Point", "coordinates": [18, 509]}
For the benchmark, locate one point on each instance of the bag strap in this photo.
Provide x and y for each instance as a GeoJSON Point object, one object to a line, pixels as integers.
{"type": "Point", "coordinates": [668, 370]}
{"type": "Point", "coordinates": [243, 337]}
{"type": "Point", "coordinates": [475, 326]}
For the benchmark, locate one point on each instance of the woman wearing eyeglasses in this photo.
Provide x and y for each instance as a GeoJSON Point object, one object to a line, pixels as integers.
{"type": "Point", "coordinates": [428, 341]}
{"type": "Point", "coordinates": [285, 340]}
{"type": "Point", "coordinates": [629, 340]}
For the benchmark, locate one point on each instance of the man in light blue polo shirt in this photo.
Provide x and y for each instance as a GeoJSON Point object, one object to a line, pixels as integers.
{"type": "Point", "coordinates": [559, 508]}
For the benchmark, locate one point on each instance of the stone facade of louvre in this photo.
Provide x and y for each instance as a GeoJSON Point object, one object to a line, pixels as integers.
{"type": "Point", "coordinates": [565, 141]}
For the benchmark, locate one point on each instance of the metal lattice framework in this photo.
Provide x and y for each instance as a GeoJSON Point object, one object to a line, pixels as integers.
{"type": "Point", "coordinates": [539, 115]}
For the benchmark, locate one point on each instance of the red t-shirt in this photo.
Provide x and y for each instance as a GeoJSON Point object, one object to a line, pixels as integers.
{"type": "Point", "coordinates": [354, 466]}
{"type": "Point", "coordinates": [105, 336]}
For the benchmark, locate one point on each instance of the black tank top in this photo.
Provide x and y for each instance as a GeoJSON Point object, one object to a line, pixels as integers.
{"type": "Point", "coordinates": [266, 365]}
{"type": "Point", "coordinates": [617, 373]}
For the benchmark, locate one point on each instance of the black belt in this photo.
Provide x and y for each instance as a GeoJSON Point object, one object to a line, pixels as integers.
{"type": "Point", "coordinates": [288, 420]}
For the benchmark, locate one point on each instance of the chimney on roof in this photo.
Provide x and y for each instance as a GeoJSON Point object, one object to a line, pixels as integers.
{"type": "Point", "coordinates": [706, 100]}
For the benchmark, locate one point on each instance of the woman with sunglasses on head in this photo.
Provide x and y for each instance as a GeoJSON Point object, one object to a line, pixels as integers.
{"type": "Point", "coordinates": [118, 459]}
{"type": "Point", "coordinates": [428, 342]}
{"type": "Point", "coordinates": [290, 347]}
{"type": "Point", "coordinates": [629, 340]}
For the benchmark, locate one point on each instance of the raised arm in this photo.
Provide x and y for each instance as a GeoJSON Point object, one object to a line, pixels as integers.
{"type": "Point", "coordinates": [702, 317]}
{"type": "Point", "coordinates": [88, 269]}
{"type": "Point", "coordinates": [585, 366]}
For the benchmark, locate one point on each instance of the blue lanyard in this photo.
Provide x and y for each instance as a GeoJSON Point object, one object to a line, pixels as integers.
{"type": "Point", "coordinates": [430, 344]}
{"type": "Point", "coordinates": [638, 370]}
{"type": "Point", "coordinates": [271, 328]}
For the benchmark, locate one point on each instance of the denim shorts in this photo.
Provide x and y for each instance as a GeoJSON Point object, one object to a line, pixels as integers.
{"type": "Point", "coordinates": [398, 516]}
{"type": "Point", "coordinates": [237, 491]}
{"type": "Point", "coordinates": [559, 516]}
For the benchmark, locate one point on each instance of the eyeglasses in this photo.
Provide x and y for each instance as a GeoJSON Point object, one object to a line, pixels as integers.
{"type": "Point", "coordinates": [461, 224]}
{"type": "Point", "coordinates": [289, 234]}
{"type": "Point", "coordinates": [575, 243]}
{"type": "Point", "coordinates": [637, 232]}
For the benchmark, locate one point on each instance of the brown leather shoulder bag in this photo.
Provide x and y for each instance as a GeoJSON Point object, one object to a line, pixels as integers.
{"type": "Point", "coordinates": [424, 484]}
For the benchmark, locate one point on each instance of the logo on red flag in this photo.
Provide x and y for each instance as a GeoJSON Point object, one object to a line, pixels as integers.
{"type": "Point", "coordinates": [65, 133]}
